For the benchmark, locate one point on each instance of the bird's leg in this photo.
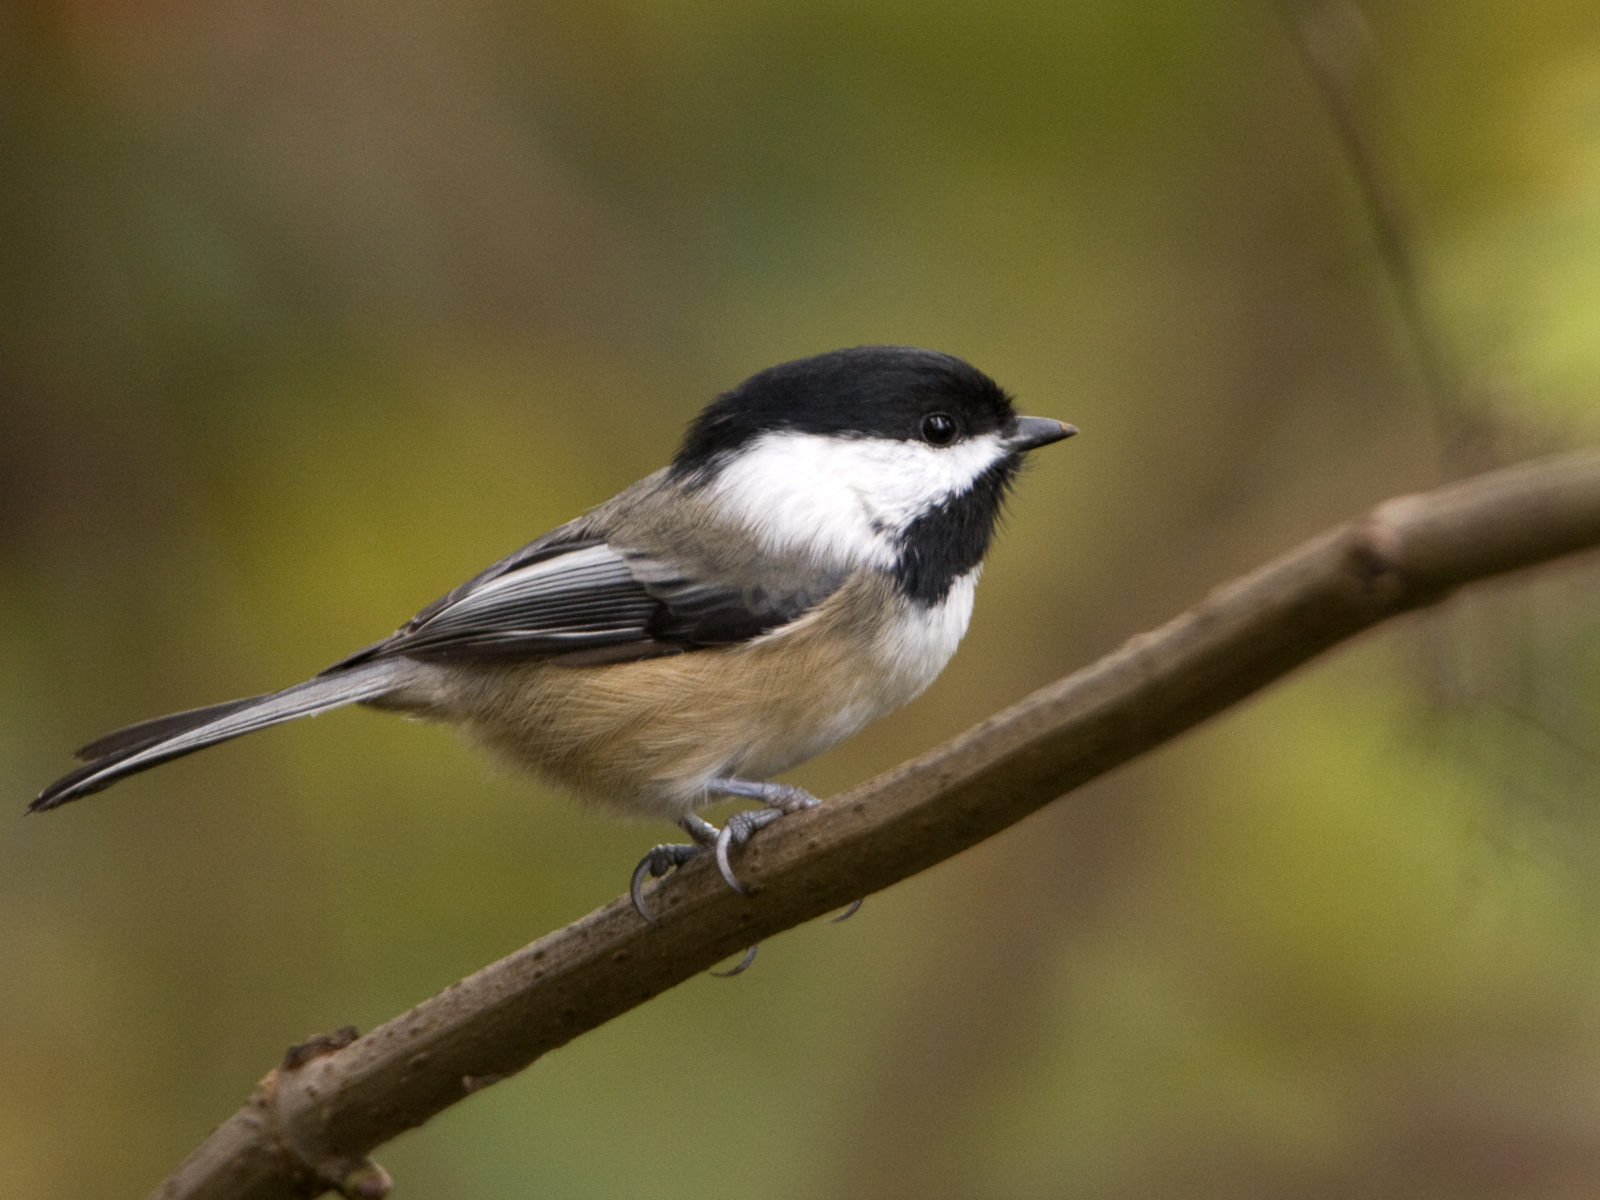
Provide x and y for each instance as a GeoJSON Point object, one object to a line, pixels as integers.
{"type": "Point", "coordinates": [668, 856]}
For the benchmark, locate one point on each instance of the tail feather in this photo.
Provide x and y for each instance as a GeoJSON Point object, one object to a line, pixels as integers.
{"type": "Point", "coordinates": [150, 743]}
{"type": "Point", "coordinates": [158, 729]}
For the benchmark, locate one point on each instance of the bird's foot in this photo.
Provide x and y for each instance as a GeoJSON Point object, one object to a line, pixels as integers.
{"type": "Point", "coordinates": [780, 799]}
{"type": "Point", "coordinates": [668, 857]}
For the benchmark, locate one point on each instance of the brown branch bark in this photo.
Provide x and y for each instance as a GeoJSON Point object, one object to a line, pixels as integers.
{"type": "Point", "coordinates": [313, 1120]}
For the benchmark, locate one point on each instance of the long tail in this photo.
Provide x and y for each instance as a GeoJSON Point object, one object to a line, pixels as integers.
{"type": "Point", "coordinates": [149, 743]}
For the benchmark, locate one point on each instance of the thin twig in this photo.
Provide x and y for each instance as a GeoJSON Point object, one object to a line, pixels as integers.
{"type": "Point", "coordinates": [310, 1126]}
{"type": "Point", "coordinates": [1335, 45]}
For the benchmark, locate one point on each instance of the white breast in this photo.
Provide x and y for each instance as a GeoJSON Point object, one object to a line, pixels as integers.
{"type": "Point", "coordinates": [915, 648]}
{"type": "Point", "coordinates": [906, 657]}
{"type": "Point", "coordinates": [900, 663]}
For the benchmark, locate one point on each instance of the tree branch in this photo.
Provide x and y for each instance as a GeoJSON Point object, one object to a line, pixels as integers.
{"type": "Point", "coordinates": [313, 1120]}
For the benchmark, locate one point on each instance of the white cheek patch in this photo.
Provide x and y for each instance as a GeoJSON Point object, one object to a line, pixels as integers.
{"type": "Point", "coordinates": [844, 499]}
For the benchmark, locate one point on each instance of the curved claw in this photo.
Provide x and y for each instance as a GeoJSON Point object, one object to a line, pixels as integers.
{"type": "Point", "coordinates": [725, 840]}
{"type": "Point", "coordinates": [739, 967]}
{"type": "Point", "coordinates": [656, 863]}
{"type": "Point", "coordinates": [736, 831]}
{"type": "Point", "coordinates": [636, 891]}
{"type": "Point", "coordinates": [853, 908]}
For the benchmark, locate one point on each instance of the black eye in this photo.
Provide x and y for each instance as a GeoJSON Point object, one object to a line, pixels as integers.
{"type": "Point", "coordinates": [938, 429]}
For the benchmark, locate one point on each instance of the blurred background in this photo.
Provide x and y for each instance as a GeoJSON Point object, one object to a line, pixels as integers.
{"type": "Point", "coordinates": [308, 311]}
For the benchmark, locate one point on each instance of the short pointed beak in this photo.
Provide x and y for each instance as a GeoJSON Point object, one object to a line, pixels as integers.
{"type": "Point", "coordinates": [1029, 433]}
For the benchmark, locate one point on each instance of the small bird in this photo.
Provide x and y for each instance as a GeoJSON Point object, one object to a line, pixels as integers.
{"type": "Point", "coordinates": [805, 565]}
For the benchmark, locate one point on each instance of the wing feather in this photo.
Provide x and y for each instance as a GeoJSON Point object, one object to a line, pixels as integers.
{"type": "Point", "coordinates": [584, 600]}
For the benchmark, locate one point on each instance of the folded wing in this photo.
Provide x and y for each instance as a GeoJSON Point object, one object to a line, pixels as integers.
{"type": "Point", "coordinates": [585, 600]}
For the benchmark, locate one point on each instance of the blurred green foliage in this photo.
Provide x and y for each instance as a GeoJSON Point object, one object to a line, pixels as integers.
{"type": "Point", "coordinates": [308, 312]}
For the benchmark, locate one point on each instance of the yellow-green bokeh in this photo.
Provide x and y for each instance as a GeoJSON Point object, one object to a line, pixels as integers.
{"type": "Point", "coordinates": [308, 313]}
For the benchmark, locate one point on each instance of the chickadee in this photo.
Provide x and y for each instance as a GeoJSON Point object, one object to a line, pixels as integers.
{"type": "Point", "coordinates": [804, 566]}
